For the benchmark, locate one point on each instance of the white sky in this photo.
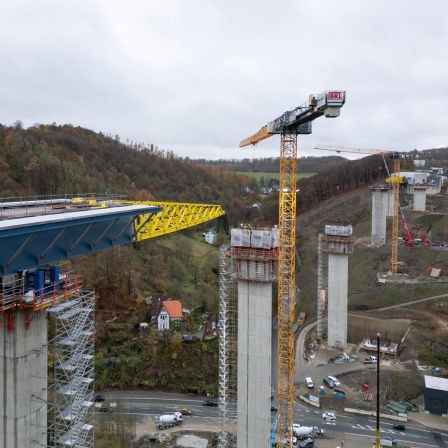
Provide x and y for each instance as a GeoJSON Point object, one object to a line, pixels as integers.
{"type": "Point", "coordinates": [198, 76]}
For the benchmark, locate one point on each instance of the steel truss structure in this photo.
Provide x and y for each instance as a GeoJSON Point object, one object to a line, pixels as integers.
{"type": "Point", "coordinates": [228, 354]}
{"type": "Point", "coordinates": [286, 283]}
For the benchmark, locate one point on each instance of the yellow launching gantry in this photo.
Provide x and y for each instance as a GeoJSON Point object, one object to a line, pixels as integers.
{"type": "Point", "coordinates": [174, 216]}
{"type": "Point", "coordinates": [288, 125]}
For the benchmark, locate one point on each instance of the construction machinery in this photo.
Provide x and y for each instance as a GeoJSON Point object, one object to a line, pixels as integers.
{"type": "Point", "coordinates": [395, 180]}
{"type": "Point", "coordinates": [174, 216]}
{"type": "Point", "coordinates": [425, 240]}
{"type": "Point", "coordinates": [289, 125]}
{"type": "Point", "coordinates": [408, 240]}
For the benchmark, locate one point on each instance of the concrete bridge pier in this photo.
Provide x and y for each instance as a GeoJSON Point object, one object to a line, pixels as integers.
{"type": "Point", "coordinates": [23, 387]}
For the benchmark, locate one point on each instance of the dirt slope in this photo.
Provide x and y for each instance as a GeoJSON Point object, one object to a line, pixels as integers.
{"type": "Point", "coordinates": [368, 262]}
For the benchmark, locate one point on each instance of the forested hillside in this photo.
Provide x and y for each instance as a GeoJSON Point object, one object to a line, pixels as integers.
{"type": "Point", "coordinates": [333, 181]}
{"type": "Point", "coordinates": [63, 159]}
{"type": "Point", "coordinates": [272, 164]}
{"type": "Point", "coordinates": [313, 164]}
{"type": "Point", "coordinates": [50, 159]}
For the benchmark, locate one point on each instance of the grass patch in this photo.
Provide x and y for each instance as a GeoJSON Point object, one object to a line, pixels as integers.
{"type": "Point", "coordinates": [266, 175]}
{"type": "Point", "coordinates": [403, 385]}
{"type": "Point", "coordinates": [433, 351]}
{"type": "Point", "coordinates": [197, 246]}
{"type": "Point", "coordinates": [394, 294]}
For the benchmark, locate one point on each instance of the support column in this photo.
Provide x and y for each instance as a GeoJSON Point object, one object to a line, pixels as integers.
{"type": "Point", "coordinates": [337, 299]}
{"type": "Point", "coordinates": [390, 202]}
{"type": "Point", "coordinates": [255, 267]}
{"type": "Point", "coordinates": [254, 363]}
{"type": "Point", "coordinates": [379, 211]}
{"type": "Point", "coordinates": [339, 243]}
{"type": "Point", "coordinates": [419, 199]}
{"type": "Point", "coordinates": [23, 395]}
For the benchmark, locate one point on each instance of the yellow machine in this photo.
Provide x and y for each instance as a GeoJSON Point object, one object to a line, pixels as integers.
{"type": "Point", "coordinates": [174, 216]}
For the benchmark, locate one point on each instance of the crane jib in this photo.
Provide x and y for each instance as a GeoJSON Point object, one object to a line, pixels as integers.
{"type": "Point", "coordinates": [298, 120]}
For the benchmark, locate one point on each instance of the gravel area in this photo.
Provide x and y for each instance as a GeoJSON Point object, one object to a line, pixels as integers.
{"type": "Point", "coordinates": [189, 441]}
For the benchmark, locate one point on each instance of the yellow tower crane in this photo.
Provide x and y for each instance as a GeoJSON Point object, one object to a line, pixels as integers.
{"type": "Point", "coordinates": [289, 125]}
{"type": "Point", "coordinates": [395, 180]}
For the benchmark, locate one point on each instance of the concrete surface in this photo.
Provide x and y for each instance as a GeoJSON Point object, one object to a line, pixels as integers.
{"type": "Point", "coordinates": [319, 363]}
{"type": "Point", "coordinates": [419, 199]}
{"type": "Point", "coordinates": [188, 441]}
{"type": "Point", "coordinates": [337, 299]}
{"type": "Point", "coordinates": [23, 369]}
{"type": "Point", "coordinates": [379, 210]}
{"type": "Point", "coordinates": [254, 362]}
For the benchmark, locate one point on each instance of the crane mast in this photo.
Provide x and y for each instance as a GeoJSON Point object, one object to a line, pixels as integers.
{"type": "Point", "coordinates": [289, 125]}
{"type": "Point", "coordinates": [286, 282]}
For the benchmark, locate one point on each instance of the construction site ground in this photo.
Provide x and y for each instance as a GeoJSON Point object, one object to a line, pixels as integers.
{"type": "Point", "coordinates": [197, 432]}
{"type": "Point", "coordinates": [202, 432]}
{"type": "Point", "coordinates": [352, 384]}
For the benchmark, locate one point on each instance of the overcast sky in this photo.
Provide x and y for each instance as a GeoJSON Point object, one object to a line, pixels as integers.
{"type": "Point", "coordinates": [198, 76]}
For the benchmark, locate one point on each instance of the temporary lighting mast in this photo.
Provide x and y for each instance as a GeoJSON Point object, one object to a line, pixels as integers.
{"type": "Point", "coordinates": [288, 125]}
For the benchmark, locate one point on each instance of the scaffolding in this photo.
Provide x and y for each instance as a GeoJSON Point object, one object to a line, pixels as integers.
{"type": "Point", "coordinates": [71, 404]}
{"type": "Point", "coordinates": [322, 267]}
{"type": "Point", "coordinates": [255, 252]}
{"type": "Point", "coordinates": [228, 339]}
{"type": "Point", "coordinates": [251, 258]}
{"type": "Point", "coordinates": [254, 264]}
{"type": "Point", "coordinates": [67, 399]}
{"type": "Point", "coordinates": [37, 289]}
{"type": "Point", "coordinates": [336, 244]}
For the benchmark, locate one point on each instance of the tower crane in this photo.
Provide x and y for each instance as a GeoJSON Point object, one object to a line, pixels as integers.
{"type": "Point", "coordinates": [395, 180]}
{"type": "Point", "coordinates": [289, 125]}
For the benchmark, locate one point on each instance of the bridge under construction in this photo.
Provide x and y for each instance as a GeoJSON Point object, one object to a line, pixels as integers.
{"type": "Point", "coordinates": [38, 238]}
